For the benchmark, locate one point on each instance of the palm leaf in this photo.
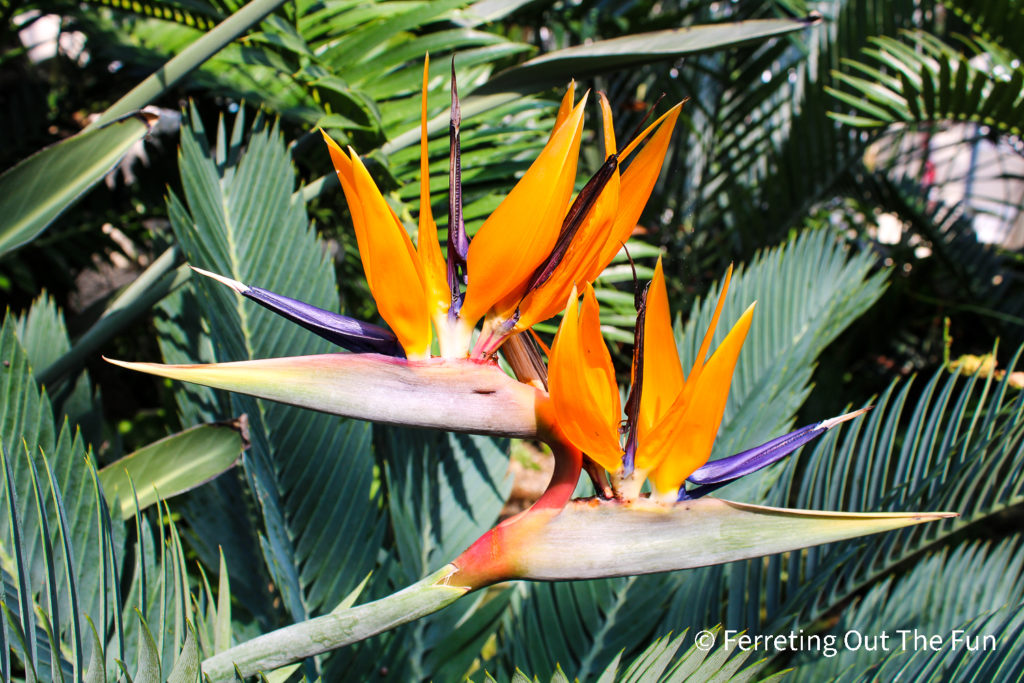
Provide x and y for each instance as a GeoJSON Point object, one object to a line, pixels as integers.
{"type": "Point", "coordinates": [443, 492]}
{"type": "Point", "coordinates": [927, 600]}
{"type": "Point", "coordinates": [241, 220]}
{"type": "Point", "coordinates": [29, 433]}
{"type": "Point", "coordinates": [934, 82]}
{"type": "Point", "coordinates": [991, 646]}
{"type": "Point", "coordinates": [960, 447]}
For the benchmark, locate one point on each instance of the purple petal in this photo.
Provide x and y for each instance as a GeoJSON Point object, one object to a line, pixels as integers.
{"type": "Point", "coordinates": [750, 461]}
{"type": "Point", "coordinates": [458, 241]}
{"type": "Point", "coordinates": [348, 333]}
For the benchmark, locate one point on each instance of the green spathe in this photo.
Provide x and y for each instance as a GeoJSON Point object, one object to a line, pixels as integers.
{"type": "Point", "coordinates": [645, 537]}
{"type": "Point", "coordinates": [586, 539]}
{"type": "Point", "coordinates": [454, 395]}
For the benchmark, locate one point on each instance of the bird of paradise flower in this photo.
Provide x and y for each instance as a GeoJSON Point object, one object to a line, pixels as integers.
{"type": "Point", "coordinates": [530, 257]}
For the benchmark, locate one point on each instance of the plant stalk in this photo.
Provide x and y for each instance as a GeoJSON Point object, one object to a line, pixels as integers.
{"type": "Point", "coordinates": [190, 58]}
{"type": "Point", "coordinates": [337, 629]}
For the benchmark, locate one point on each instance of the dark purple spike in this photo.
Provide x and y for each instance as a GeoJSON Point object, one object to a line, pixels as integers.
{"type": "Point", "coordinates": [458, 242]}
{"type": "Point", "coordinates": [635, 391]}
{"type": "Point", "coordinates": [574, 219]}
{"type": "Point", "coordinates": [342, 330]}
{"type": "Point", "coordinates": [636, 280]}
{"type": "Point", "coordinates": [640, 126]}
{"type": "Point", "coordinates": [348, 333]}
{"type": "Point", "coordinates": [727, 469]}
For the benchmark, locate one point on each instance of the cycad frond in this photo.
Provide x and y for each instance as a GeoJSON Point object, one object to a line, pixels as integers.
{"type": "Point", "coordinates": [921, 79]}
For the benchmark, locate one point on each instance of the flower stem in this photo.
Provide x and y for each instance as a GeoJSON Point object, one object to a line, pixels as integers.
{"type": "Point", "coordinates": [330, 631]}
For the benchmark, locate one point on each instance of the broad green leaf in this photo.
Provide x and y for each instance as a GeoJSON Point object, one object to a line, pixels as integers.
{"type": "Point", "coordinates": [583, 61]}
{"type": "Point", "coordinates": [39, 189]}
{"type": "Point", "coordinates": [172, 465]}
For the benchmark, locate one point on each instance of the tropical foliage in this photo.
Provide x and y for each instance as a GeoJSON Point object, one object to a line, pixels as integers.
{"type": "Point", "coordinates": [148, 527]}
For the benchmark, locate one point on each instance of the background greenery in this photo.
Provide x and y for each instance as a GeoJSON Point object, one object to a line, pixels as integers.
{"type": "Point", "coordinates": [803, 143]}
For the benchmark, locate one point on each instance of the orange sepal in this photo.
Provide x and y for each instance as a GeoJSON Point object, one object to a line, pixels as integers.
{"type": "Point", "coordinates": [519, 235]}
{"type": "Point", "coordinates": [638, 183]}
{"type": "Point", "coordinates": [391, 265]}
{"type": "Point", "coordinates": [564, 108]}
{"type": "Point", "coordinates": [663, 373]}
{"type": "Point", "coordinates": [432, 263]}
{"type": "Point", "coordinates": [548, 299]}
{"type": "Point", "coordinates": [582, 385]}
{"type": "Point", "coordinates": [682, 441]}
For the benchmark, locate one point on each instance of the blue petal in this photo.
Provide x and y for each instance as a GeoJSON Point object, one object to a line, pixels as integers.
{"type": "Point", "coordinates": [346, 332]}
{"type": "Point", "coordinates": [720, 472]}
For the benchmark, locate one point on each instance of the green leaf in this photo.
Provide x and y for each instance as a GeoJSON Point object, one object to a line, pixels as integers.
{"type": "Point", "coordinates": [808, 291]}
{"type": "Point", "coordinates": [929, 599]}
{"type": "Point", "coordinates": [148, 670]}
{"type": "Point", "coordinates": [39, 189]}
{"type": "Point", "coordinates": [443, 492]}
{"type": "Point", "coordinates": [582, 61]}
{"type": "Point", "coordinates": [208, 44]}
{"type": "Point", "coordinates": [172, 465]}
{"type": "Point", "coordinates": [97, 672]}
{"type": "Point", "coordinates": [186, 669]}
{"type": "Point", "coordinates": [239, 218]}
{"type": "Point", "coordinates": [30, 438]}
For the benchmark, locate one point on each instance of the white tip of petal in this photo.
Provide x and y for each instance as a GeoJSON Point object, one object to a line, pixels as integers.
{"type": "Point", "coordinates": [833, 421]}
{"type": "Point", "coordinates": [233, 284]}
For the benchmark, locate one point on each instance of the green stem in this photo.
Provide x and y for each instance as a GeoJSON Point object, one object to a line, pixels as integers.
{"type": "Point", "coordinates": [337, 629]}
{"type": "Point", "coordinates": [192, 57]}
{"type": "Point", "coordinates": [162, 277]}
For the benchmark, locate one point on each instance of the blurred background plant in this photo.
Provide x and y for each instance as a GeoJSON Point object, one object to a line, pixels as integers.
{"type": "Point", "coordinates": [860, 161]}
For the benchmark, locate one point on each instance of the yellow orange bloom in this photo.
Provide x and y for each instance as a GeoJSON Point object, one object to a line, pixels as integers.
{"type": "Point", "coordinates": [604, 229]}
{"type": "Point", "coordinates": [677, 418]}
{"type": "Point", "coordinates": [528, 254]}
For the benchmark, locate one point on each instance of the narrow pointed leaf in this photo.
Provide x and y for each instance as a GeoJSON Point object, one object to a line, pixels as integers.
{"type": "Point", "coordinates": [173, 465]}
{"type": "Point", "coordinates": [186, 669]}
{"type": "Point", "coordinates": [148, 670]}
{"type": "Point", "coordinates": [42, 187]}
